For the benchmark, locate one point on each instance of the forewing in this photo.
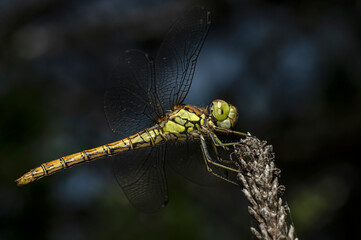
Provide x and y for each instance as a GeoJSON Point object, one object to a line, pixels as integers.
{"type": "Point", "coordinates": [177, 56]}
{"type": "Point", "coordinates": [141, 175]}
{"type": "Point", "coordinates": [131, 103]}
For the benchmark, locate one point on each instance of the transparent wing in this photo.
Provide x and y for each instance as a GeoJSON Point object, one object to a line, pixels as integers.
{"type": "Point", "coordinates": [141, 175]}
{"type": "Point", "coordinates": [131, 103]}
{"type": "Point", "coordinates": [177, 56]}
{"type": "Point", "coordinates": [141, 91]}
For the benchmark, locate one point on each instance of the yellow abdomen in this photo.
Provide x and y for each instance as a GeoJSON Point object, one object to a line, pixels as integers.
{"type": "Point", "coordinates": [142, 139]}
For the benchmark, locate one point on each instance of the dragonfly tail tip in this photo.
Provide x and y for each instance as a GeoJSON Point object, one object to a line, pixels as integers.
{"type": "Point", "coordinates": [21, 181]}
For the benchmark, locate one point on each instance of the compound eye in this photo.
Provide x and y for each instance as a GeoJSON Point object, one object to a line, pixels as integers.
{"type": "Point", "coordinates": [220, 110]}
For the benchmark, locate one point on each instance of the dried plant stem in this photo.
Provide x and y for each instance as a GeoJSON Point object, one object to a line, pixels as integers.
{"type": "Point", "coordinates": [259, 177]}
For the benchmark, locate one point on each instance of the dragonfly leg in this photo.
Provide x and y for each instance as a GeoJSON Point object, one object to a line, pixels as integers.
{"type": "Point", "coordinates": [216, 140]}
{"type": "Point", "coordinates": [218, 143]}
{"type": "Point", "coordinates": [218, 129]}
{"type": "Point", "coordinates": [208, 160]}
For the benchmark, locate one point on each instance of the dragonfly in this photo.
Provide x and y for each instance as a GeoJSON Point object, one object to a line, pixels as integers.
{"type": "Point", "coordinates": [144, 105]}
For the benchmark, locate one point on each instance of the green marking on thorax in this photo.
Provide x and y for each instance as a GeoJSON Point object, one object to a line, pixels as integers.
{"type": "Point", "coordinates": [177, 123]}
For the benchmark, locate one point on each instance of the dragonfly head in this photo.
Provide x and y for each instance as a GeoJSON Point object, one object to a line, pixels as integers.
{"type": "Point", "coordinates": [224, 114]}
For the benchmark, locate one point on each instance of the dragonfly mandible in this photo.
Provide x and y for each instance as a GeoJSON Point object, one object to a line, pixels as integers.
{"type": "Point", "coordinates": [145, 106]}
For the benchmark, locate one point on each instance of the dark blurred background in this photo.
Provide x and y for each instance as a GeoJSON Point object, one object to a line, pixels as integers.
{"type": "Point", "coordinates": [293, 70]}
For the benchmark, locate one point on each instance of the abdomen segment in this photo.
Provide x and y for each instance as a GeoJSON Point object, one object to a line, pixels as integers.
{"type": "Point", "coordinates": [146, 138]}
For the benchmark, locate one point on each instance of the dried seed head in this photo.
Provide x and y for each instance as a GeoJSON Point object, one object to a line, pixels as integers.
{"type": "Point", "coordinates": [259, 177]}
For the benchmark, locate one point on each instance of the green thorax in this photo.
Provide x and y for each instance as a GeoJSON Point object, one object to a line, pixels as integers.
{"type": "Point", "coordinates": [184, 121]}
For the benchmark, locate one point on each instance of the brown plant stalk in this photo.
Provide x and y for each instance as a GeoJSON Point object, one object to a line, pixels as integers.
{"type": "Point", "coordinates": [260, 179]}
